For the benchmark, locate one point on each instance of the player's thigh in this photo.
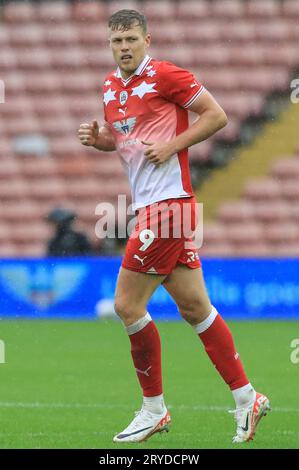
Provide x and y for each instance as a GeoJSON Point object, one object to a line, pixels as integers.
{"type": "Point", "coordinates": [187, 288]}
{"type": "Point", "coordinates": [133, 291]}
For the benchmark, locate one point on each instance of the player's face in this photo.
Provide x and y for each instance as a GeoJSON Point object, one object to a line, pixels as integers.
{"type": "Point", "coordinates": [129, 48]}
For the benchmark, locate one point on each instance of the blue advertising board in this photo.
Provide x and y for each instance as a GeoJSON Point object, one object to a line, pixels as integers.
{"type": "Point", "coordinates": [75, 287]}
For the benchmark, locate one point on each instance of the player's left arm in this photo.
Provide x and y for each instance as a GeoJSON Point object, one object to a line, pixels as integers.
{"type": "Point", "coordinates": [211, 118]}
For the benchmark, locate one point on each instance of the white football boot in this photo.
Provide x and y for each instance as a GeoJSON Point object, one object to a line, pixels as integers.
{"type": "Point", "coordinates": [247, 418]}
{"type": "Point", "coordinates": [144, 425]}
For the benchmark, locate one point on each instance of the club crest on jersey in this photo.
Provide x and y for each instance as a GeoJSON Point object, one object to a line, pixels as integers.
{"type": "Point", "coordinates": [125, 126]}
{"type": "Point", "coordinates": [123, 96]}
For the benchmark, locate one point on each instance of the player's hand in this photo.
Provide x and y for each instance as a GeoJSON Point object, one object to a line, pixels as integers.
{"type": "Point", "coordinates": [88, 133]}
{"type": "Point", "coordinates": [158, 153]}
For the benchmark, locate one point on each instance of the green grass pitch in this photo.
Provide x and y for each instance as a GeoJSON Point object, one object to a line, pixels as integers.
{"type": "Point", "coordinates": [71, 385]}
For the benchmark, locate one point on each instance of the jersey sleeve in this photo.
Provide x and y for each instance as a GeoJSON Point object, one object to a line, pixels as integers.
{"type": "Point", "coordinates": [178, 85]}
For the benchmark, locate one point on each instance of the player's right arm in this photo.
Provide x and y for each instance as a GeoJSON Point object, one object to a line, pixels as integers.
{"type": "Point", "coordinates": [100, 138]}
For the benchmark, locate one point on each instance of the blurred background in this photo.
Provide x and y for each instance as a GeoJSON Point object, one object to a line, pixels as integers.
{"type": "Point", "coordinates": [54, 57]}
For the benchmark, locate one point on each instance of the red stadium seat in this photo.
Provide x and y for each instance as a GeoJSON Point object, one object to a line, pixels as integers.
{"type": "Point", "coordinates": [39, 167]}
{"type": "Point", "coordinates": [249, 233]}
{"type": "Point", "coordinates": [233, 9]}
{"type": "Point", "coordinates": [91, 34]}
{"type": "Point", "coordinates": [52, 105]}
{"type": "Point", "coordinates": [286, 169]}
{"type": "Point", "coordinates": [9, 168]}
{"type": "Point", "coordinates": [282, 233]}
{"type": "Point", "coordinates": [61, 146]}
{"type": "Point", "coordinates": [14, 84]}
{"type": "Point", "coordinates": [17, 107]}
{"type": "Point", "coordinates": [207, 31]}
{"type": "Point", "coordinates": [19, 12]}
{"type": "Point", "coordinates": [90, 11]}
{"type": "Point", "coordinates": [42, 83]}
{"type": "Point", "coordinates": [237, 31]}
{"type": "Point", "coordinates": [193, 9]}
{"type": "Point", "coordinates": [8, 249]}
{"type": "Point", "coordinates": [114, 5]}
{"type": "Point", "coordinates": [290, 8]}
{"type": "Point", "coordinates": [290, 190]}
{"type": "Point", "coordinates": [214, 233]}
{"type": "Point", "coordinates": [265, 8]}
{"type": "Point", "coordinates": [156, 10]}
{"type": "Point", "coordinates": [60, 35]}
{"type": "Point", "coordinates": [32, 58]}
{"type": "Point", "coordinates": [272, 212]}
{"type": "Point", "coordinates": [47, 188]}
{"type": "Point", "coordinates": [18, 126]}
{"type": "Point", "coordinates": [263, 190]}
{"type": "Point", "coordinates": [14, 189]}
{"type": "Point", "coordinates": [34, 232]}
{"type": "Point", "coordinates": [35, 250]}
{"type": "Point", "coordinates": [53, 12]}
{"type": "Point", "coordinates": [289, 250]}
{"type": "Point", "coordinates": [28, 34]}
{"type": "Point", "coordinates": [54, 58]}
{"type": "Point", "coordinates": [274, 31]}
{"type": "Point", "coordinates": [7, 59]}
{"type": "Point", "coordinates": [257, 250]}
{"type": "Point", "coordinates": [221, 250]}
{"type": "Point", "coordinates": [236, 212]}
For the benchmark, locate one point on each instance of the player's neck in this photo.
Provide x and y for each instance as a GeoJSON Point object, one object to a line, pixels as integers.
{"type": "Point", "coordinates": [127, 75]}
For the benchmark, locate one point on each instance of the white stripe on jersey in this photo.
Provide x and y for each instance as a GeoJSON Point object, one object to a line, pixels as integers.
{"type": "Point", "coordinates": [199, 92]}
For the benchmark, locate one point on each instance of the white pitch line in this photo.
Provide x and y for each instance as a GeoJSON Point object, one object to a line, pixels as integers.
{"type": "Point", "coordinates": [127, 407]}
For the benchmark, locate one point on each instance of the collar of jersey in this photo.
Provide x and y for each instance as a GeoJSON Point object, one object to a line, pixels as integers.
{"type": "Point", "coordinates": [138, 71]}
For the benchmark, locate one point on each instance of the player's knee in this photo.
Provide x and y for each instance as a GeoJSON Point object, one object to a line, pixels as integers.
{"type": "Point", "coordinates": [125, 311]}
{"type": "Point", "coordinates": [195, 311]}
{"type": "Point", "coordinates": [120, 308]}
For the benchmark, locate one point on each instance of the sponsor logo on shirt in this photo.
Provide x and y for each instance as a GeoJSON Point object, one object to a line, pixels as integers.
{"type": "Point", "coordinates": [125, 126]}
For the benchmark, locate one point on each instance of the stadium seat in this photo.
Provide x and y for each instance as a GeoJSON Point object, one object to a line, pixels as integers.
{"type": "Point", "coordinates": [91, 34]}
{"type": "Point", "coordinates": [32, 58]}
{"type": "Point", "coordinates": [26, 35]}
{"type": "Point", "coordinates": [53, 12]}
{"type": "Point", "coordinates": [290, 190]}
{"type": "Point", "coordinates": [8, 249]}
{"type": "Point", "coordinates": [213, 250]}
{"type": "Point", "coordinates": [54, 59]}
{"type": "Point", "coordinates": [278, 212]}
{"type": "Point", "coordinates": [196, 9]}
{"type": "Point", "coordinates": [266, 8]}
{"type": "Point", "coordinates": [258, 250]}
{"type": "Point", "coordinates": [282, 233]}
{"type": "Point", "coordinates": [18, 12]}
{"type": "Point", "coordinates": [60, 35]}
{"type": "Point", "coordinates": [35, 232]}
{"type": "Point", "coordinates": [114, 5]}
{"type": "Point", "coordinates": [262, 190]}
{"type": "Point", "coordinates": [290, 9]}
{"type": "Point", "coordinates": [251, 233]}
{"type": "Point", "coordinates": [286, 169]}
{"type": "Point", "coordinates": [156, 10]}
{"type": "Point", "coordinates": [232, 9]}
{"type": "Point", "coordinates": [90, 11]}
{"type": "Point", "coordinates": [236, 212]}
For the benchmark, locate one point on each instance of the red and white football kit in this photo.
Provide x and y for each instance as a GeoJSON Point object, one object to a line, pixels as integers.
{"type": "Point", "coordinates": [151, 106]}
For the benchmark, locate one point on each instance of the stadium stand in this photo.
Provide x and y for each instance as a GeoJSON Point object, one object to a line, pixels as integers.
{"type": "Point", "coordinates": [53, 60]}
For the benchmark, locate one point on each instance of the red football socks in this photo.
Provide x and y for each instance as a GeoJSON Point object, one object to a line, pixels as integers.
{"type": "Point", "coordinates": [146, 354]}
{"type": "Point", "coordinates": [219, 345]}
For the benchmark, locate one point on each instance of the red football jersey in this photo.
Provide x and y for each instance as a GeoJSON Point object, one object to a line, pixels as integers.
{"type": "Point", "coordinates": [151, 105]}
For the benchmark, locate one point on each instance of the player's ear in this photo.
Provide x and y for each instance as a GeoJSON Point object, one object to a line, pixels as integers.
{"type": "Point", "coordinates": [148, 39]}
